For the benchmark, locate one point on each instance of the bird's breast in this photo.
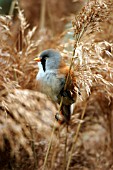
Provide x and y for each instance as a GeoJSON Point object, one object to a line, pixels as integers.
{"type": "Point", "coordinates": [50, 83]}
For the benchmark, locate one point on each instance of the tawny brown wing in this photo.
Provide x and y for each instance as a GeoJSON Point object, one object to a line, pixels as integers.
{"type": "Point", "coordinates": [70, 93]}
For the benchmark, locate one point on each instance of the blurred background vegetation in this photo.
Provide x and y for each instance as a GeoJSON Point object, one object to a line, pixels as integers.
{"type": "Point", "coordinates": [55, 12]}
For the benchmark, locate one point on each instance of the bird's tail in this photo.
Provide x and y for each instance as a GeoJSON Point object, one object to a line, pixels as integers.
{"type": "Point", "coordinates": [64, 115]}
{"type": "Point", "coordinates": [66, 112]}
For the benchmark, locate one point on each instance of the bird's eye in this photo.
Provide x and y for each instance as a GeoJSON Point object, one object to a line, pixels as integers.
{"type": "Point", "coordinates": [46, 57]}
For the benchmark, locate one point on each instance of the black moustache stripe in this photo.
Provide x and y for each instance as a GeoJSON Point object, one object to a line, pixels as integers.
{"type": "Point", "coordinates": [43, 62]}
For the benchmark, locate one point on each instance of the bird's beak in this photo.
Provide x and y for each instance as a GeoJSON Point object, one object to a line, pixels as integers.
{"type": "Point", "coordinates": [37, 59]}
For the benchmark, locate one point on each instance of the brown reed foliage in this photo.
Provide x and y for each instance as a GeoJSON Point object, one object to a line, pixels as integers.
{"type": "Point", "coordinates": [56, 12]}
{"type": "Point", "coordinates": [27, 117]}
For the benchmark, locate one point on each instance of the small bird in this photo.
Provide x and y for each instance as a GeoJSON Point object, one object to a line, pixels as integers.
{"type": "Point", "coordinates": [52, 78]}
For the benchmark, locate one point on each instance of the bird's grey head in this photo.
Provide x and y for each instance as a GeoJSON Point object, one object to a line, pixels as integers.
{"type": "Point", "coordinates": [50, 59]}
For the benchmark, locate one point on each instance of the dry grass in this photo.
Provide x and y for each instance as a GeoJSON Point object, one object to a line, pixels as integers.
{"type": "Point", "coordinates": [27, 116]}
{"type": "Point", "coordinates": [56, 13]}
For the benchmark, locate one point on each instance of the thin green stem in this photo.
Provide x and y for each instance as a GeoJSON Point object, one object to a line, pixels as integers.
{"type": "Point", "coordinates": [49, 147]}
{"type": "Point", "coordinates": [76, 137]}
{"type": "Point", "coordinates": [65, 152]}
{"type": "Point", "coordinates": [13, 4]}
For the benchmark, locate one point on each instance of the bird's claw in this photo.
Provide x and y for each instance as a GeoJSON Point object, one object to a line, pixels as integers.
{"type": "Point", "coordinates": [61, 119]}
